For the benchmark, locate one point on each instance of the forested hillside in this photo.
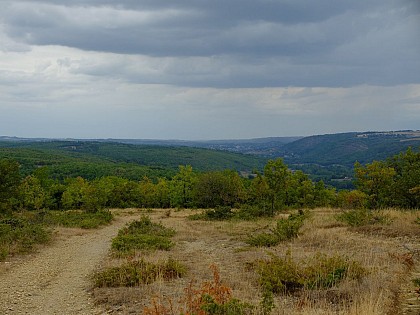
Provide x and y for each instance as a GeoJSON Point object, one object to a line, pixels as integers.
{"type": "Point", "coordinates": [94, 159]}
{"type": "Point", "coordinates": [347, 148]}
{"type": "Point", "coordinates": [329, 158]}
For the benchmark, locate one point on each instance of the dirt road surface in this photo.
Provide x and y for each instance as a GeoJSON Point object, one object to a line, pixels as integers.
{"type": "Point", "coordinates": [56, 280]}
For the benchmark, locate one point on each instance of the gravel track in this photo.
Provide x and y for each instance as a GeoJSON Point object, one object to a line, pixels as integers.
{"type": "Point", "coordinates": [56, 280]}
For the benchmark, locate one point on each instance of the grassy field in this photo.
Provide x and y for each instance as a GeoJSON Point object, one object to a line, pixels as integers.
{"type": "Point", "coordinates": [382, 257]}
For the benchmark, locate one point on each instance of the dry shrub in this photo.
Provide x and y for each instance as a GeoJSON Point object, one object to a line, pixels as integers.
{"type": "Point", "coordinates": [203, 242]}
{"type": "Point", "coordinates": [284, 274]}
{"type": "Point", "coordinates": [212, 298]}
{"type": "Point", "coordinates": [135, 273]}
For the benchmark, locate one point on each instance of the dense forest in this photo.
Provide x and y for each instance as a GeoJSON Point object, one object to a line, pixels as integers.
{"type": "Point", "coordinates": [91, 159]}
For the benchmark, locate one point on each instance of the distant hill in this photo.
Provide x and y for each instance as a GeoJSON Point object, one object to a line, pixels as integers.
{"type": "Point", "coordinates": [94, 158]}
{"type": "Point", "coordinates": [347, 148]}
{"type": "Point", "coordinates": [328, 157]}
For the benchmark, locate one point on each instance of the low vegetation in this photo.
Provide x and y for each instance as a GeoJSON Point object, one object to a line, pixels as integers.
{"type": "Point", "coordinates": [286, 229]}
{"type": "Point", "coordinates": [284, 274]}
{"type": "Point", "coordinates": [22, 231]}
{"type": "Point", "coordinates": [138, 272]}
{"type": "Point", "coordinates": [75, 218]}
{"type": "Point", "coordinates": [212, 298]}
{"type": "Point", "coordinates": [361, 217]}
{"type": "Point", "coordinates": [330, 268]}
{"type": "Point", "coordinates": [19, 235]}
{"type": "Point", "coordinates": [142, 234]}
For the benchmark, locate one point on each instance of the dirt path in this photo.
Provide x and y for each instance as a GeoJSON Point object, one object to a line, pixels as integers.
{"type": "Point", "coordinates": [55, 281]}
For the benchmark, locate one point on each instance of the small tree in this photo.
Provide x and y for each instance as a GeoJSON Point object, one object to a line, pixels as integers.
{"type": "Point", "coordinates": [182, 185]}
{"type": "Point", "coordinates": [9, 183]}
{"type": "Point", "coordinates": [73, 195]}
{"type": "Point", "coordinates": [277, 176]}
{"type": "Point", "coordinates": [376, 181]}
{"type": "Point", "coordinates": [32, 195]}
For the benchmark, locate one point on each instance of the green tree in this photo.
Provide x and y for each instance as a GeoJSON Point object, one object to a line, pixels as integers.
{"type": "Point", "coordinates": [182, 185]}
{"type": "Point", "coordinates": [147, 193]}
{"type": "Point", "coordinates": [277, 176]}
{"type": "Point", "coordinates": [9, 183]}
{"type": "Point", "coordinates": [406, 180]}
{"type": "Point", "coordinates": [300, 190]}
{"type": "Point", "coordinates": [218, 189]}
{"type": "Point", "coordinates": [32, 195]}
{"type": "Point", "coordinates": [259, 194]}
{"type": "Point", "coordinates": [323, 196]}
{"type": "Point", "coordinates": [353, 199]}
{"type": "Point", "coordinates": [163, 193]}
{"type": "Point", "coordinates": [73, 195]}
{"type": "Point", "coordinates": [376, 181]}
{"type": "Point", "coordinates": [93, 197]}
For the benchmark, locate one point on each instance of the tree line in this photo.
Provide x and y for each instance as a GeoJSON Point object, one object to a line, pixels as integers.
{"type": "Point", "coordinates": [391, 183]}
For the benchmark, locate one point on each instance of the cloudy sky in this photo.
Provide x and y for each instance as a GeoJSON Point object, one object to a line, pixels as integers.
{"type": "Point", "coordinates": [208, 69]}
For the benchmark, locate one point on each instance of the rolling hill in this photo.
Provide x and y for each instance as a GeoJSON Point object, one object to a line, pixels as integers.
{"type": "Point", "coordinates": [91, 159]}
{"type": "Point", "coordinates": [328, 157]}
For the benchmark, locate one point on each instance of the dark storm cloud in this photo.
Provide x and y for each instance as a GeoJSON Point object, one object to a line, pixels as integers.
{"type": "Point", "coordinates": [242, 43]}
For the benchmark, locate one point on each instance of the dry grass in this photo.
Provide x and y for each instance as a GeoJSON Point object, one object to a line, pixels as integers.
{"type": "Point", "coordinates": [389, 253]}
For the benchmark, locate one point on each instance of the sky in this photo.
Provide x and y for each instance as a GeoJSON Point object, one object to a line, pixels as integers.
{"type": "Point", "coordinates": [215, 69]}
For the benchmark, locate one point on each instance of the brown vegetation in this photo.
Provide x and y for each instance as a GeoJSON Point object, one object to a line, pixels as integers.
{"type": "Point", "coordinates": [388, 252]}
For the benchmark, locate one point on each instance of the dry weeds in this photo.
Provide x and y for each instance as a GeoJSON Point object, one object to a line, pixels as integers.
{"type": "Point", "coordinates": [390, 254]}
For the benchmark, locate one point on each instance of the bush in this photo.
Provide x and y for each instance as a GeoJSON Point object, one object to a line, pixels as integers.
{"type": "Point", "coordinates": [146, 226]}
{"type": "Point", "coordinates": [217, 214]}
{"type": "Point", "coordinates": [135, 273]}
{"type": "Point", "coordinates": [285, 229]}
{"type": "Point", "coordinates": [279, 274]}
{"type": "Point", "coordinates": [250, 212]}
{"type": "Point", "coordinates": [75, 218]}
{"type": "Point", "coordinates": [360, 217]}
{"type": "Point", "coordinates": [18, 235]}
{"type": "Point", "coordinates": [142, 235]}
{"type": "Point", "coordinates": [213, 298]}
{"type": "Point", "coordinates": [353, 199]}
{"type": "Point", "coordinates": [263, 240]}
{"type": "Point", "coordinates": [283, 274]}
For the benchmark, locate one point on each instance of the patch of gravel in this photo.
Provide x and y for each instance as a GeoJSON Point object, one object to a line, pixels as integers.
{"type": "Point", "coordinates": [56, 280]}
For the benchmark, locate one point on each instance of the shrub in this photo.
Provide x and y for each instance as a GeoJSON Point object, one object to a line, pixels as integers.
{"type": "Point", "coordinates": [74, 218]}
{"type": "Point", "coordinates": [323, 271]}
{"type": "Point", "coordinates": [18, 235]}
{"type": "Point", "coordinates": [135, 273]}
{"type": "Point", "coordinates": [142, 235]}
{"type": "Point", "coordinates": [250, 212]}
{"type": "Point", "coordinates": [213, 298]}
{"type": "Point", "coordinates": [360, 217]}
{"type": "Point", "coordinates": [263, 240]}
{"type": "Point", "coordinates": [217, 214]}
{"type": "Point", "coordinates": [285, 229]}
{"type": "Point", "coordinates": [146, 226]}
{"type": "Point", "coordinates": [283, 274]}
{"type": "Point", "coordinates": [354, 199]}
{"type": "Point", "coordinates": [279, 274]}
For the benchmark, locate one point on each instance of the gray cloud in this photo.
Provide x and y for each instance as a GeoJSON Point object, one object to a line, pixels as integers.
{"type": "Point", "coordinates": [242, 43]}
{"type": "Point", "coordinates": [208, 69]}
